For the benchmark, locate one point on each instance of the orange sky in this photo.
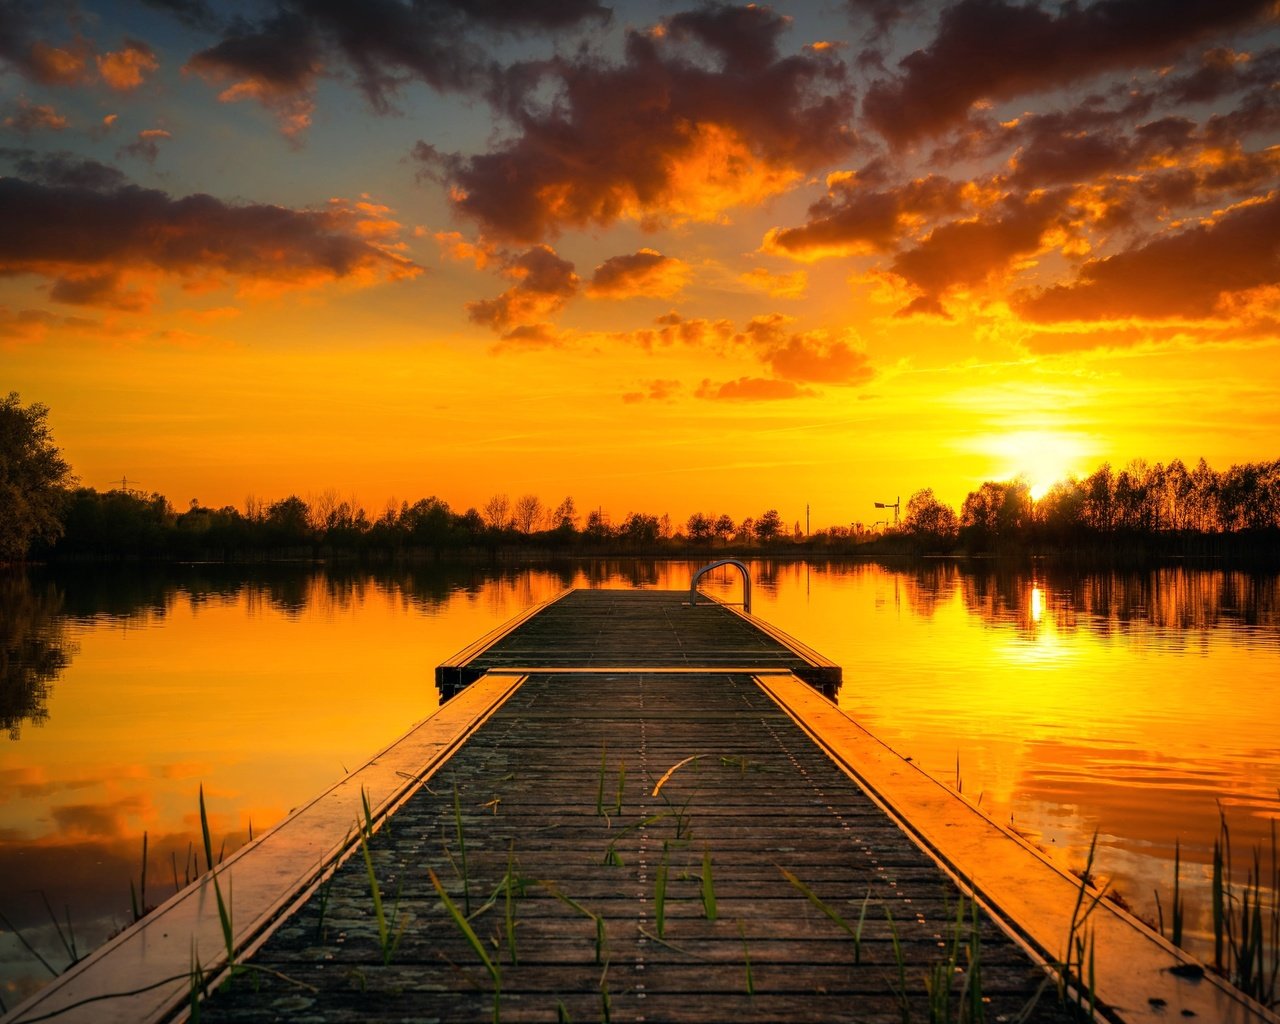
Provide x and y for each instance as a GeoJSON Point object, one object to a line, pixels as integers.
{"type": "Point", "coordinates": [661, 258]}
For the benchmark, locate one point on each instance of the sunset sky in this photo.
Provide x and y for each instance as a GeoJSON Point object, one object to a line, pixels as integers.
{"type": "Point", "coordinates": [660, 257]}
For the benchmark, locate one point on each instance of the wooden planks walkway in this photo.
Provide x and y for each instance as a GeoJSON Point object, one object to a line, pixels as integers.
{"type": "Point", "coordinates": [631, 629]}
{"type": "Point", "coordinates": [759, 799]}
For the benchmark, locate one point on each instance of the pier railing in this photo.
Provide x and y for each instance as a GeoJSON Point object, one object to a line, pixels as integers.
{"type": "Point", "coordinates": [740, 566]}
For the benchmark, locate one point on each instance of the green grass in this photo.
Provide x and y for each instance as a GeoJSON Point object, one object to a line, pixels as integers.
{"type": "Point", "coordinates": [390, 930]}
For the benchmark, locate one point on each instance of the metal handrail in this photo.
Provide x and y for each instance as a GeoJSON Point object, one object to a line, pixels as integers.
{"type": "Point", "coordinates": [746, 581]}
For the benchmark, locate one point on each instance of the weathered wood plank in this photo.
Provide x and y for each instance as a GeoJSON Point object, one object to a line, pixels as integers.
{"type": "Point", "coordinates": [760, 799]}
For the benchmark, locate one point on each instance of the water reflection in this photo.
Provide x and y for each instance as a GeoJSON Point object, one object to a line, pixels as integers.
{"type": "Point", "coordinates": [34, 649]}
{"type": "Point", "coordinates": [1134, 703]}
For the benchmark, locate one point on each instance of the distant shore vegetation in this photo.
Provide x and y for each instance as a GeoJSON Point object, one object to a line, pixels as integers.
{"type": "Point", "coordinates": [1143, 510]}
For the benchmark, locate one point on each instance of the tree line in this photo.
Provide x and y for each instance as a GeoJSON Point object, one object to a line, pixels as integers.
{"type": "Point", "coordinates": [1143, 507]}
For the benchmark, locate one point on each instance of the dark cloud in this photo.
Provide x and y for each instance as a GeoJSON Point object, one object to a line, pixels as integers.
{"type": "Point", "coordinates": [195, 13]}
{"type": "Point", "coordinates": [544, 283]}
{"type": "Point", "coordinates": [660, 135]}
{"type": "Point", "coordinates": [882, 14]}
{"type": "Point", "coordinates": [995, 50]}
{"type": "Point", "coordinates": [967, 253]}
{"type": "Point", "coordinates": [33, 57]}
{"type": "Point", "coordinates": [646, 272]}
{"type": "Point", "coordinates": [386, 43]}
{"type": "Point", "coordinates": [1186, 274]}
{"type": "Point", "coordinates": [857, 217]}
{"type": "Point", "coordinates": [63, 170]}
{"type": "Point", "coordinates": [1222, 72]}
{"type": "Point", "coordinates": [90, 240]}
{"type": "Point", "coordinates": [146, 146]}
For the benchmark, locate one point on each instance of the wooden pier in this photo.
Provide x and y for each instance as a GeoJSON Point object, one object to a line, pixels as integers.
{"type": "Point", "coordinates": [643, 814]}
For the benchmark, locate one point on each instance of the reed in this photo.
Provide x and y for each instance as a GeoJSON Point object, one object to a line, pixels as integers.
{"type": "Point", "coordinates": [707, 888]}
{"type": "Point", "coordinates": [138, 900]}
{"type": "Point", "coordinates": [622, 782]}
{"type": "Point", "coordinates": [509, 914]}
{"type": "Point", "coordinates": [904, 1004]}
{"type": "Point", "coordinates": [473, 940]}
{"type": "Point", "coordinates": [854, 931]}
{"type": "Point", "coordinates": [462, 851]}
{"type": "Point", "coordinates": [660, 891]}
{"type": "Point", "coordinates": [204, 831]}
{"type": "Point", "coordinates": [387, 940]}
{"type": "Point", "coordinates": [1080, 939]}
{"type": "Point", "coordinates": [746, 960]}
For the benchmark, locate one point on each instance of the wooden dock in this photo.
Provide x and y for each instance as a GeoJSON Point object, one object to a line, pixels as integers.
{"type": "Point", "coordinates": [644, 815]}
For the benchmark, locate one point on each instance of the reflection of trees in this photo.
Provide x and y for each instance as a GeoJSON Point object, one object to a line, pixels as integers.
{"type": "Point", "coordinates": [34, 649]}
{"type": "Point", "coordinates": [1180, 600]}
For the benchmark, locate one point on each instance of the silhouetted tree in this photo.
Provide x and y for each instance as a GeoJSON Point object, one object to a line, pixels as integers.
{"type": "Point", "coordinates": [497, 512]}
{"type": "Point", "coordinates": [528, 513]}
{"type": "Point", "coordinates": [700, 527]}
{"type": "Point", "coordinates": [565, 516]}
{"type": "Point", "coordinates": [33, 478]}
{"type": "Point", "coordinates": [929, 521]}
{"type": "Point", "coordinates": [724, 528]}
{"type": "Point", "coordinates": [768, 526]}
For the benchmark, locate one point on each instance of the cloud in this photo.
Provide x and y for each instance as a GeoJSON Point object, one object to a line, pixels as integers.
{"type": "Point", "coordinates": [654, 391]}
{"type": "Point", "coordinates": [969, 252]}
{"type": "Point", "coordinates": [701, 115]}
{"type": "Point", "coordinates": [753, 389]}
{"type": "Point", "coordinates": [147, 145]}
{"type": "Point", "coordinates": [127, 68]}
{"type": "Point", "coordinates": [30, 117]}
{"type": "Point", "coordinates": [454, 247]}
{"type": "Point", "coordinates": [646, 273]}
{"type": "Point", "coordinates": [544, 283]}
{"type": "Point", "coordinates": [92, 243]}
{"type": "Point", "coordinates": [386, 43]}
{"type": "Point", "coordinates": [526, 336]}
{"type": "Point", "coordinates": [818, 359]}
{"type": "Point", "coordinates": [275, 63]}
{"type": "Point", "coordinates": [855, 217]}
{"type": "Point", "coordinates": [995, 50]}
{"type": "Point", "coordinates": [63, 169]}
{"type": "Point", "coordinates": [30, 326]}
{"type": "Point", "coordinates": [778, 286]}
{"type": "Point", "coordinates": [1191, 273]}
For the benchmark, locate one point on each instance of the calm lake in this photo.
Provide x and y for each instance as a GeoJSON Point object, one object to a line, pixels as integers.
{"type": "Point", "coordinates": [1131, 704]}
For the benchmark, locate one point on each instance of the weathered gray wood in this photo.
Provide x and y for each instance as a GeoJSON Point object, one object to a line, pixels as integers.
{"type": "Point", "coordinates": [760, 798]}
{"type": "Point", "coordinates": [593, 629]}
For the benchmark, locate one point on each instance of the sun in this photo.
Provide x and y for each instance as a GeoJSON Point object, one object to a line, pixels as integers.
{"type": "Point", "coordinates": [1041, 457]}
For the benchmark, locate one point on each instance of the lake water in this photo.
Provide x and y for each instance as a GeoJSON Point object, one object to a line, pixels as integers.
{"type": "Point", "coordinates": [1131, 704]}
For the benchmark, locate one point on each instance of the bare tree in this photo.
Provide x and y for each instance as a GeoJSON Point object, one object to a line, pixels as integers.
{"type": "Point", "coordinates": [528, 513]}
{"type": "Point", "coordinates": [497, 512]}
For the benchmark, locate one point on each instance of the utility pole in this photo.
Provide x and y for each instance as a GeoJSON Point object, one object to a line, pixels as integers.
{"type": "Point", "coordinates": [806, 519]}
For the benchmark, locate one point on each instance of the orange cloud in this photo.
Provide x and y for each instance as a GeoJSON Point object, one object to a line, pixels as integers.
{"type": "Point", "coordinates": [857, 217]}
{"type": "Point", "coordinates": [33, 117]}
{"type": "Point", "coordinates": [544, 283]}
{"type": "Point", "coordinates": [657, 137]}
{"type": "Point", "coordinates": [777, 286]}
{"type": "Point", "coordinates": [646, 272]}
{"type": "Point", "coordinates": [816, 358]}
{"type": "Point", "coordinates": [454, 247]}
{"type": "Point", "coordinates": [1191, 273]}
{"type": "Point", "coordinates": [126, 69]}
{"type": "Point", "coordinates": [653, 391]}
{"type": "Point", "coordinates": [753, 389]}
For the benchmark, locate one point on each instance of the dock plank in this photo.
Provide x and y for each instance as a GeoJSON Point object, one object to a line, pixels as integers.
{"type": "Point", "coordinates": [760, 798]}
